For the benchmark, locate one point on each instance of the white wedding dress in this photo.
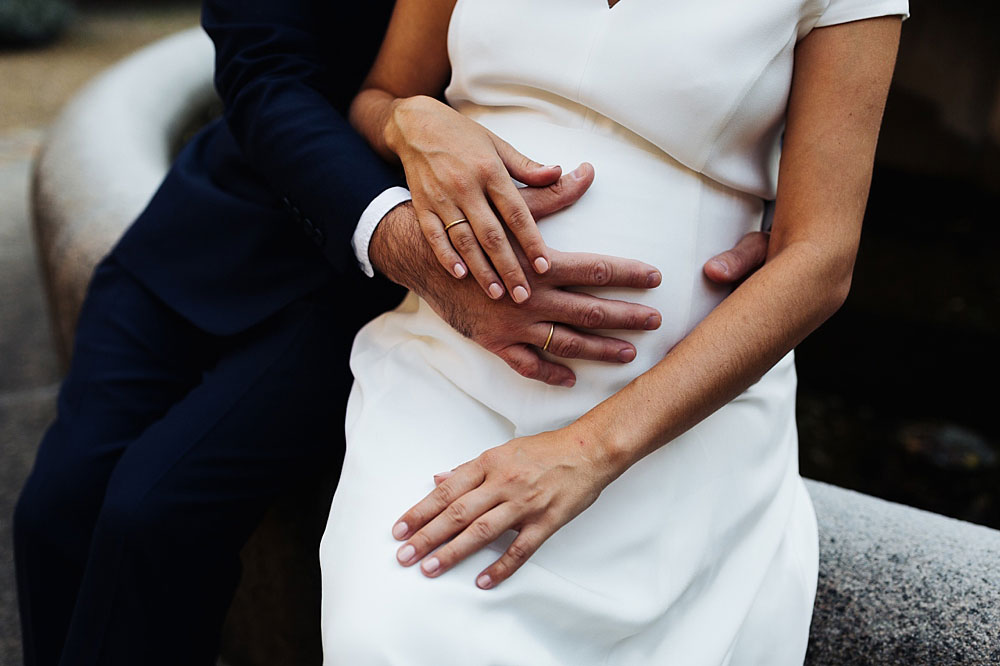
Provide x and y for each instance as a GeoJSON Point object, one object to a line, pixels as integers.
{"type": "Point", "coordinates": [705, 552]}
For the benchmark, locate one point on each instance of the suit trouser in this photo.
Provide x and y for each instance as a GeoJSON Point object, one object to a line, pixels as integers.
{"type": "Point", "coordinates": [168, 446]}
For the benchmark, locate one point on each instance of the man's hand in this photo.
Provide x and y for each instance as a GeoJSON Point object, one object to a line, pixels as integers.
{"type": "Point", "coordinates": [515, 332]}
{"type": "Point", "coordinates": [735, 264]}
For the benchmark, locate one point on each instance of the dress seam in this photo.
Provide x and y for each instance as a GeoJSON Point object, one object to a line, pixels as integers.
{"type": "Point", "coordinates": [738, 104]}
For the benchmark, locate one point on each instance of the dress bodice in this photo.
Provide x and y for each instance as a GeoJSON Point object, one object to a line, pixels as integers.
{"type": "Point", "coordinates": [706, 82]}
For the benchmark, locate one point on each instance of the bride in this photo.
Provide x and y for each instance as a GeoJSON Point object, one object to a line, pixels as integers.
{"type": "Point", "coordinates": [652, 513]}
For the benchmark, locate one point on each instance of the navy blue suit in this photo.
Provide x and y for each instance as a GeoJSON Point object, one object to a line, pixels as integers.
{"type": "Point", "coordinates": [210, 371]}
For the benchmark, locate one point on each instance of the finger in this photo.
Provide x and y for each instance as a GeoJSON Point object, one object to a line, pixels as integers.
{"type": "Point", "coordinates": [544, 201]}
{"type": "Point", "coordinates": [464, 240]}
{"type": "Point", "coordinates": [523, 547]}
{"type": "Point", "coordinates": [441, 477]}
{"type": "Point", "coordinates": [466, 478]}
{"type": "Point", "coordinates": [452, 520]}
{"type": "Point", "coordinates": [523, 169]}
{"type": "Point", "coordinates": [526, 362]}
{"type": "Point", "coordinates": [583, 269]}
{"type": "Point", "coordinates": [518, 218]}
{"type": "Point", "coordinates": [483, 530]}
{"type": "Point", "coordinates": [588, 311]}
{"type": "Point", "coordinates": [735, 264]}
{"type": "Point", "coordinates": [495, 243]}
{"type": "Point", "coordinates": [433, 230]}
{"type": "Point", "coordinates": [569, 343]}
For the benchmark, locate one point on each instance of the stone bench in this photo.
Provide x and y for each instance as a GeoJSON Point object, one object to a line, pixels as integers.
{"type": "Point", "coordinates": [897, 585]}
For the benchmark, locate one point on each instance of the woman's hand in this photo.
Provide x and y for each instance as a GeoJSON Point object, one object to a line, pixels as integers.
{"type": "Point", "coordinates": [534, 485]}
{"type": "Point", "coordinates": [458, 170]}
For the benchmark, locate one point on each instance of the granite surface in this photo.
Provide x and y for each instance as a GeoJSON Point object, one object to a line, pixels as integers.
{"type": "Point", "coordinates": [899, 586]}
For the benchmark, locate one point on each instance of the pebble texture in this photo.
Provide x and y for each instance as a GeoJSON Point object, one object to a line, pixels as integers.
{"type": "Point", "coordinates": [902, 586]}
{"type": "Point", "coordinates": [897, 585]}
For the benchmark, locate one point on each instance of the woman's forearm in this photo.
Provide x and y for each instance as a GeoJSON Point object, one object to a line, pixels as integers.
{"type": "Point", "coordinates": [729, 350]}
{"type": "Point", "coordinates": [370, 113]}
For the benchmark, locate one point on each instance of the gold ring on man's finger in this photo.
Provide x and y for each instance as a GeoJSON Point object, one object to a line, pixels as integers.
{"type": "Point", "coordinates": [451, 224]}
{"type": "Point", "coordinates": [548, 340]}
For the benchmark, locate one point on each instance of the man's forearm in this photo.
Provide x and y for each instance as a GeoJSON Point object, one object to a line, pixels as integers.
{"type": "Point", "coordinates": [399, 252]}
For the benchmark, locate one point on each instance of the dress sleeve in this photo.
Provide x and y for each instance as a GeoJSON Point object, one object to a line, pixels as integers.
{"type": "Point", "coordinates": [845, 11]}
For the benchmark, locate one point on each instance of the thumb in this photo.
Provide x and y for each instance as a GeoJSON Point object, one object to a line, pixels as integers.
{"type": "Point", "coordinates": [735, 264]}
{"type": "Point", "coordinates": [523, 169]}
{"type": "Point", "coordinates": [544, 201]}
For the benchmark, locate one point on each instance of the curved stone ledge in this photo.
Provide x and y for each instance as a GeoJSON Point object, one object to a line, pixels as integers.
{"type": "Point", "coordinates": [105, 156]}
{"type": "Point", "coordinates": [902, 586]}
{"type": "Point", "coordinates": [897, 585]}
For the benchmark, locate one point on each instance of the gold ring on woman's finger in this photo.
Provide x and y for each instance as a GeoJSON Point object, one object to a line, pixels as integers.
{"type": "Point", "coordinates": [548, 340]}
{"type": "Point", "coordinates": [451, 224]}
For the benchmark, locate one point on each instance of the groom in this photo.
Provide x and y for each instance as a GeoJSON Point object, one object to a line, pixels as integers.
{"type": "Point", "coordinates": [210, 368]}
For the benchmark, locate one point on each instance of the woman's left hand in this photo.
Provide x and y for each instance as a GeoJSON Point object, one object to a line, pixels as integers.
{"type": "Point", "coordinates": [534, 485]}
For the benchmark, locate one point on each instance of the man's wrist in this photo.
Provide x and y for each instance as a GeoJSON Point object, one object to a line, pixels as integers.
{"type": "Point", "coordinates": [399, 252]}
{"type": "Point", "coordinates": [372, 216]}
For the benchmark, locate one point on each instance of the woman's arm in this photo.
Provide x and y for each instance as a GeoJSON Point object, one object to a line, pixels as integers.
{"type": "Point", "coordinates": [537, 484]}
{"type": "Point", "coordinates": [455, 168]}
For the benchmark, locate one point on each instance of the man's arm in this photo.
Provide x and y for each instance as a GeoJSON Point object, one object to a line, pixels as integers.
{"type": "Point", "coordinates": [285, 85]}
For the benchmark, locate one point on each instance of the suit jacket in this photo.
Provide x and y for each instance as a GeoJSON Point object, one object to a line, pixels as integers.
{"type": "Point", "coordinates": [259, 207]}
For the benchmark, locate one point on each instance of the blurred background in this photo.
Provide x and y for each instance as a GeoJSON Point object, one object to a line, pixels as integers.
{"type": "Point", "coordinates": [897, 391]}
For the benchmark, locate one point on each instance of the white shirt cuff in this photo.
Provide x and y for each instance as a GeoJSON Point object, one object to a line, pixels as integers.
{"type": "Point", "coordinates": [376, 210]}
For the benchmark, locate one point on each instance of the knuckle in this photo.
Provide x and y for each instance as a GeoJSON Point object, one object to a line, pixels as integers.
{"type": "Point", "coordinates": [444, 495]}
{"type": "Point", "coordinates": [462, 183]}
{"type": "Point", "coordinates": [421, 542]}
{"type": "Point", "coordinates": [481, 531]}
{"type": "Point", "coordinates": [511, 274]}
{"type": "Point", "coordinates": [632, 320]}
{"type": "Point", "coordinates": [465, 243]}
{"type": "Point", "coordinates": [528, 368]}
{"type": "Point", "coordinates": [594, 316]}
{"type": "Point", "coordinates": [493, 239]}
{"type": "Point", "coordinates": [485, 169]}
{"type": "Point", "coordinates": [600, 273]}
{"type": "Point", "coordinates": [571, 347]}
{"type": "Point", "coordinates": [518, 551]}
{"type": "Point", "coordinates": [457, 512]}
{"type": "Point", "coordinates": [519, 219]}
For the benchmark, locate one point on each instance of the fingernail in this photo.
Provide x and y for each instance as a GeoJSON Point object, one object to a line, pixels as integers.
{"type": "Point", "coordinates": [442, 476]}
{"type": "Point", "coordinates": [653, 279]}
{"type": "Point", "coordinates": [568, 383]}
{"type": "Point", "coordinates": [541, 264]}
{"type": "Point", "coordinates": [496, 291]}
{"type": "Point", "coordinates": [520, 294]}
{"type": "Point", "coordinates": [721, 266]}
{"type": "Point", "coordinates": [653, 322]}
{"type": "Point", "coordinates": [578, 173]}
{"type": "Point", "coordinates": [400, 529]}
{"type": "Point", "coordinates": [626, 355]}
{"type": "Point", "coordinates": [431, 565]}
{"type": "Point", "coordinates": [552, 166]}
{"type": "Point", "coordinates": [405, 554]}
{"type": "Point", "coordinates": [484, 582]}
{"type": "Point", "coordinates": [459, 270]}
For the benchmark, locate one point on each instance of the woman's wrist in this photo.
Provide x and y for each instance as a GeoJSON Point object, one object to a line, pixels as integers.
{"type": "Point", "coordinates": [604, 443]}
{"type": "Point", "coordinates": [401, 115]}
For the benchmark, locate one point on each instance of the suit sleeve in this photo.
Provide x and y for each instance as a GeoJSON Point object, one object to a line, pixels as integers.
{"type": "Point", "coordinates": [285, 104]}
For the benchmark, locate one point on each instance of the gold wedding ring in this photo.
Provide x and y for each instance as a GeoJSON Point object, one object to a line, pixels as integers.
{"type": "Point", "coordinates": [552, 329]}
{"type": "Point", "coordinates": [451, 224]}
